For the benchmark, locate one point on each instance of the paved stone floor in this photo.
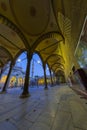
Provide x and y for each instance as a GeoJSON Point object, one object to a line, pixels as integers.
{"type": "Point", "coordinates": [58, 108]}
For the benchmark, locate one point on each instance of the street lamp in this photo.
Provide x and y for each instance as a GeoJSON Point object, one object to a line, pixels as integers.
{"type": "Point", "coordinates": [19, 62]}
{"type": "Point", "coordinates": [38, 62]}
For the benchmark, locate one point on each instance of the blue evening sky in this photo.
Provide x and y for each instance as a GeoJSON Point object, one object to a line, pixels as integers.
{"type": "Point", "coordinates": [37, 65]}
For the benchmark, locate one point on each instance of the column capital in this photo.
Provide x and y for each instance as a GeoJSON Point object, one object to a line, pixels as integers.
{"type": "Point", "coordinates": [29, 56]}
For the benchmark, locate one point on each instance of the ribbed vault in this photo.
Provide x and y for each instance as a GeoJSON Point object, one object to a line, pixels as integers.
{"type": "Point", "coordinates": [12, 40]}
{"type": "Point", "coordinates": [50, 27]}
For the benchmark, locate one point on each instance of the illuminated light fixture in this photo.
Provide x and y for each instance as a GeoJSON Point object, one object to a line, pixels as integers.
{"type": "Point", "coordinates": [38, 62]}
{"type": "Point", "coordinates": [19, 60]}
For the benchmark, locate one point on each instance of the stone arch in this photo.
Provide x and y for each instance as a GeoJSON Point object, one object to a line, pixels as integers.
{"type": "Point", "coordinates": [56, 63]}
{"type": "Point", "coordinates": [4, 20]}
{"type": "Point", "coordinates": [19, 53]}
{"type": "Point", "coordinates": [1, 63]}
{"type": "Point", "coordinates": [54, 55]}
{"type": "Point", "coordinates": [58, 68]}
{"type": "Point", "coordinates": [7, 54]}
{"type": "Point", "coordinates": [53, 34]}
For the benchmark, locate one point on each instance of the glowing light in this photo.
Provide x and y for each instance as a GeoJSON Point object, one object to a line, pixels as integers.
{"type": "Point", "coordinates": [38, 62]}
{"type": "Point", "coordinates": [19, 60]}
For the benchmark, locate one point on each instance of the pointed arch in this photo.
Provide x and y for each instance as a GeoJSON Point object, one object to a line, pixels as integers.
{"type": "Point", "coordinates": [53, 55]}
{"type": "Point", "coordinates": [7, 52]}
{"type": "Point", "coordinates": [1, 63]}
{"type": "Point", "coordinates": [19, 53]}
{"type": "Point", "coordinates": [4, 20]}
{"type": "Point", "coordinates": [58, 68]}
{"type": "Point", "coordinates": [53, 34]}
{"type": "Point", "coordinates": [56, 63]}
{"type": "Point", "coordinates": [37, 52]}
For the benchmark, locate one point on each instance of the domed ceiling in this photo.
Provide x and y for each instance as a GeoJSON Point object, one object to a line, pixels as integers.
{"type": "Point", "coordinates": [32, 16]}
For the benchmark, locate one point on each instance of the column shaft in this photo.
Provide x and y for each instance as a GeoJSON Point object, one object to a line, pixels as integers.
{"type": "Point", "coordinates": [8, 78]}
{"type": "Point", "coordinates": [45, 79]}
{"type": "Point", "coordinates": [25, 92]}
{"type": "Point", "coordinates": [51, 77]}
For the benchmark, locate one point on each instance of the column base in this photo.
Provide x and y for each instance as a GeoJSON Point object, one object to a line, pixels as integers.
{"type": "Point", "coordinates": [51, 85]}
{"type": "Point", "coordinates": [2, 92]}
{"type": "Point", "coordinates": [24, 95]}
{"type": "Point", "coordinates": [46, 88]}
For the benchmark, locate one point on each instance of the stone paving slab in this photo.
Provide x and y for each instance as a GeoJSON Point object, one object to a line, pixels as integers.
{"type": "Point", "coordinates": [46, 118]}
{"type": "Point", "coordinates": [64, 106]}
{"type": "Point", "coordinates": [62, 121]}
{"type": "Point", "coordinates": [40, 126]}
{"type": "Point", "coordinates": [58, 108]}
{"type": "Point", "coordinates": [79, 114]}
{"type": "Point", "coordinates": [7, 126]}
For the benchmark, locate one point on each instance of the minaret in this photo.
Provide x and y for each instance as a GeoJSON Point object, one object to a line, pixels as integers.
{"type": "Point", "coordinates": [32, 69]}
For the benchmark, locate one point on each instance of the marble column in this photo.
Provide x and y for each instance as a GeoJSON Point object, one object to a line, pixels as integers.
{"type": "Point", "coordinates": [25, 92]}
{"type": "Point", "coordinates": [51, 77]}
{"type": "Point", "coordinates": [8, 78]}
{"type": "Point", "coordinates": [1, 72]}
{"type": "Point", "coordinates": [45, 79]}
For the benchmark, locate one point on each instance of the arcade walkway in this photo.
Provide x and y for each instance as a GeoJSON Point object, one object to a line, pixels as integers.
{"type": "Point", "coordinates": [58, 108]}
